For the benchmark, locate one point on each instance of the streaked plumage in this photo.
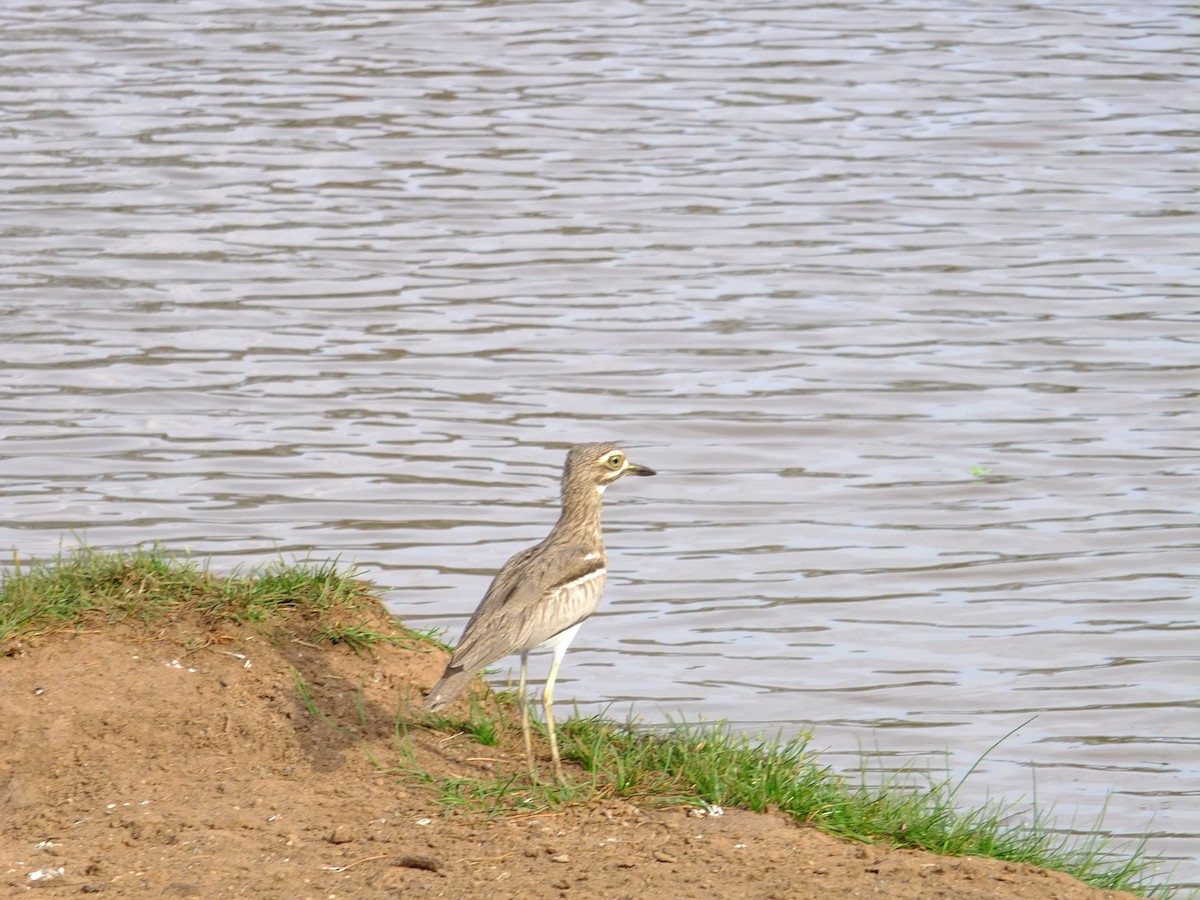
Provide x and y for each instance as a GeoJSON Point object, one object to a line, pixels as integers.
{"type": "Point", "coordinates": [541, 596]}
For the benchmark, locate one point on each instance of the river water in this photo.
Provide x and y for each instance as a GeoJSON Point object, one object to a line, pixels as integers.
{"type": "Point", "coordinates": [899, 298]}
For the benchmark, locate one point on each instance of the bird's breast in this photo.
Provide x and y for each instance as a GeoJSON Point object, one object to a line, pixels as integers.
{"type": "Point", "coordinates": [578, 598]}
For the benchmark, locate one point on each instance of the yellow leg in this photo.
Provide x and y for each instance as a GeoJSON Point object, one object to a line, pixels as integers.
{"type": "Point", "coordinates": [547, 701]}
{"type": "Point", "coordinates": [526, 732]}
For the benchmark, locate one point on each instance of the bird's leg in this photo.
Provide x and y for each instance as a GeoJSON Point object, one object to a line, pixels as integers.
{"type": "Point", "coordinates": [547, 701]}
{"type": "Point", "coordinates": [523, 697]}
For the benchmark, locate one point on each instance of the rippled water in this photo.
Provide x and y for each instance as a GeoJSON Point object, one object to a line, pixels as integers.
{"type": "Point", "coordinates": [899, 299]}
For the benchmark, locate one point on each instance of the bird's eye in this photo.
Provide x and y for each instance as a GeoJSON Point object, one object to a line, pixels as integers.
{"type": "Point", "coordinates": [614, 461]}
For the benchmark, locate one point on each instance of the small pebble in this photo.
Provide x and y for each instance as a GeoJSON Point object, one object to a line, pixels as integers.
{"type": "Point", "coordinates": [662, 856]}
{"type": "Point", "coordinates": [560, 858]}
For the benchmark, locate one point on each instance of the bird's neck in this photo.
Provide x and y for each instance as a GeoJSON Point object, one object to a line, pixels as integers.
{"type": "Point", "coordinates": [580, 517]}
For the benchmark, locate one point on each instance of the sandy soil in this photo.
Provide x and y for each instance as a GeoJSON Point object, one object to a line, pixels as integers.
{"type": "Point", "coordinates": [133, 766]}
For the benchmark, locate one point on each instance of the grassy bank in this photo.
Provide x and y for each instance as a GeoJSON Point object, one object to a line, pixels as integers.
{"type": "Point", "coordinates": [702, 766]}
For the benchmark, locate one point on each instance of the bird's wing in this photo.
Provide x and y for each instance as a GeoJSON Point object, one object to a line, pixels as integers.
{"type": "Point", "coordinates": [537, 594]}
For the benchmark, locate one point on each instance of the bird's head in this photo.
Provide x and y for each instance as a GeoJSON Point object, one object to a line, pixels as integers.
{"type": "Point", "coordinates": [600, 464]}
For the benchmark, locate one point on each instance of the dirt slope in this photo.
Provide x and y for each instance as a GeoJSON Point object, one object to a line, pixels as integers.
{"type": "Point", "coordinates": [133, 767]}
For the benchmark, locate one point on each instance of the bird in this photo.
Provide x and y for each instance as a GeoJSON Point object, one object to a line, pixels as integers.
{"type": "Point", "coordinates": [542, 595]}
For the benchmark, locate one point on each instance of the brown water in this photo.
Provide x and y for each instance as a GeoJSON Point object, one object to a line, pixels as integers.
{"type": "Point", "coordinates": [899, 299]}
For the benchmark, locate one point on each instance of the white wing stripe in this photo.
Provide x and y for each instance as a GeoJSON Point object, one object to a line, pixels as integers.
{"type": "Point", "coordinates": [579, 582]}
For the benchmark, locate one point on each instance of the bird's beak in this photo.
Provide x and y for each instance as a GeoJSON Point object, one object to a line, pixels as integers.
{"type": "Point", "coordinates": [635, 469]}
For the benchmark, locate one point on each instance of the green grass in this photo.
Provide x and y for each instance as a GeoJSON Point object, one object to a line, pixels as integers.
{"type": "Point", "coordinates": [704, 766]}
{"type": "Point", "coordinates": [710, 765]}
{"type": "Point", "coordinates": [147, 585]}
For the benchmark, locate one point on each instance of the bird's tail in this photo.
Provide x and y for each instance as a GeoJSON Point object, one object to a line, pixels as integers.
{"type": "Point", "coordinates": [448, 687]}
